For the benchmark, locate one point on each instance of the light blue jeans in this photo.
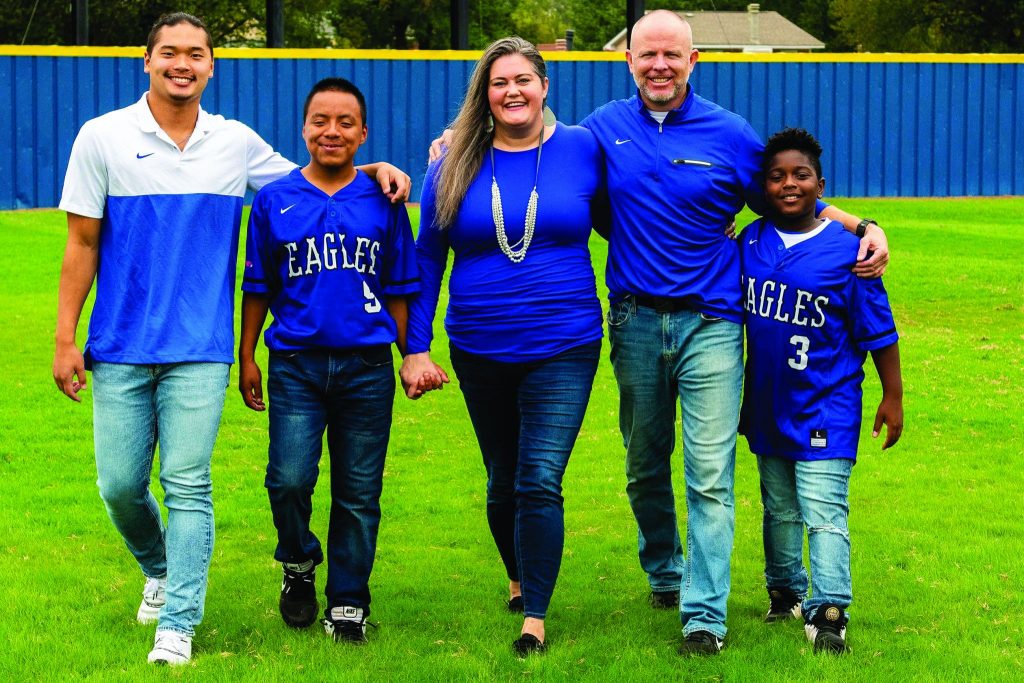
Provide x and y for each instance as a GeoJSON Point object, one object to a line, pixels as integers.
{"type": "Point", "coordinates": [812, 494]}
{"type": "Point", "coordinates": [660, 358]}
{"type": "Point", "coordinates": [178, 406]}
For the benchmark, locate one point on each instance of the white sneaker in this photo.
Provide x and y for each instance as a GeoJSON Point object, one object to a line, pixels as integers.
{"type": "Point", "coordinates": [152, 600]}
{"type": "Point", "coordinates": [171, 648]}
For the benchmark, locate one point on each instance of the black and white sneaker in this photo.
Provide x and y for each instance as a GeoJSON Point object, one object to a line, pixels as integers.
{"type": "Point", "coordinates": [827, 630]}
{"type": "Point", "coordinates": [346, 624]}
{"type": "Point", "coordinates": [298, 604]}
{"type": "Point", "coordinates": [785, 604]}
{"type": "Point", "coordinates": [701, 643]}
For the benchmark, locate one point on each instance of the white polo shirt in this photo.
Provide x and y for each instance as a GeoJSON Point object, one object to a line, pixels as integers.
{"type": "Point", "coordinates": [169, 236]}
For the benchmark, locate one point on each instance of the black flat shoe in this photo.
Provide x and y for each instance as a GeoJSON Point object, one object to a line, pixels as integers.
{"type": "Point", "coordinates": [516, 604]}
{"type": "Point", "coordinates": [528, 644]}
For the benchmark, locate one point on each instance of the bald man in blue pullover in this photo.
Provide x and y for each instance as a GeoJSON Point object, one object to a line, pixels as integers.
{"type": "Point", "coordinates": [679, 169]}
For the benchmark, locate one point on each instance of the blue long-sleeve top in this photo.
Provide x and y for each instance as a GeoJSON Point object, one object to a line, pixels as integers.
{"type": "Point", "coordinates": [515, 312]}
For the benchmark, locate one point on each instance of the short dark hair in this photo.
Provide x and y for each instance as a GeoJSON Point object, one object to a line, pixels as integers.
{"type": "Point", "coordinates": [797, 139]}
{"type": "Point", "coordinates": [336, 85]}
{"type": "Point", "coordinates": [173, 19]}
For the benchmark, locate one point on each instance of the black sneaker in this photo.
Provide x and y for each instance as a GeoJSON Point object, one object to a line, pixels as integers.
{"type": "Point", "coordinates": [298, 604]}
{"type": "Point", "coordinates": [827, 630]}
{"type": "Point", "coordinates": [346, 624]}
{"type": "Point", "coordinates": [665, 599]}
{"type": "Point", "coordinates": [785, 604]}
{"type": "Point", "coordinates": [701, 643]}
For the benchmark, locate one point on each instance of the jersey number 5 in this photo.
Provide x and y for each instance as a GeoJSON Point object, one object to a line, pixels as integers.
{"type": "Point", "coordinates": [802, 344]}
{"type": "Point", "coordinates": [372, 304]}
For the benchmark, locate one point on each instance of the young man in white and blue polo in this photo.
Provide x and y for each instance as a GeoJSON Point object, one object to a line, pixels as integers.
{"type": "Point", "coordinates": [154, 200]}
{"type": "Point", "coordinates": [153, 194]}
{"type": "Point", "coordinates": [334, 261]}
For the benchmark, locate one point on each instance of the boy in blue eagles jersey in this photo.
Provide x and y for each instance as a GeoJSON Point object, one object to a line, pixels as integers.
{"type": "Point", "coordinates": [810, 323]}
{"type": "Point", "coordinates": [334, 260]}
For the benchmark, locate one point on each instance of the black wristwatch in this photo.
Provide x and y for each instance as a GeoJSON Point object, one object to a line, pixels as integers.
{"type": "Point", "coordinates": [862, 227]}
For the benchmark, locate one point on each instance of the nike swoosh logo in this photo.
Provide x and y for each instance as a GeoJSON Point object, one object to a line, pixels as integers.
{"type": "Point", "coordinates": [143, 156]}
{"type": "Point", "coordinates": [622, 142]}
{"type": "Point", "coordinates": [287, 209]}
{"type": "Point", "coordinates": [751, 241]}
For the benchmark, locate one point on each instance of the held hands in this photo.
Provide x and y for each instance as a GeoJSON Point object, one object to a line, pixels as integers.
{"type": "Point", "coordinates": [419, 375]}
{"type": "Point", "coordinates": [890, 413]}
{"type": "Point", "coordinates": [438, 145]}
{"type": "Point", "coordinates": [250, 384]}
{"type": "Point", "coordinates": [69, 370]}
{"type": "Point", "coordinates": [875, 244]}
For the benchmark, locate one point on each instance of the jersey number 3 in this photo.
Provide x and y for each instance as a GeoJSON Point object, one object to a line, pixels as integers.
{"type": "Point", "coordinates": [802, 344]}
{"type": "Point", "coordinates": [372, 304]}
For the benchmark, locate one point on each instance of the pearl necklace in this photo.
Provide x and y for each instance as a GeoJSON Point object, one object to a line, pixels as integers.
{"type": "Point", "coordinates": [514, 253]}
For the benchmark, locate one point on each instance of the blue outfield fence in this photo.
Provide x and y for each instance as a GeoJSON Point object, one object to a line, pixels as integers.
{"type": "Point", "coordinates": [891, 125]}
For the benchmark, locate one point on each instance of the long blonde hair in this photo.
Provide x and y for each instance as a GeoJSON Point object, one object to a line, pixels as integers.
{"type": "Point", "coordinates": [470, 131]}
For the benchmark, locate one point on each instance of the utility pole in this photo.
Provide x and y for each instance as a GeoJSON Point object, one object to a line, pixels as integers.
{"type": "Point", "coordinates": [459, 14]}
{"type": "Point", "coordinates": [275, 23]}
{"type": "Point", "coordinates": [81, 22]}
{"type": "Point", "coordinates": [634, 10]}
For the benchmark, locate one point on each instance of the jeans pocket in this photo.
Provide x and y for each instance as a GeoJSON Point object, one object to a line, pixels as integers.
{"type": "Point", "coordinates": [711, 318]}
{"type": "Point", "coordinates": [375, 356]}
{"type": "Point", "coordinates": [619, 313]}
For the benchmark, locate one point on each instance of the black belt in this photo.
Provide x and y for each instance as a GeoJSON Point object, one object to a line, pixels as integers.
{"type": "Point", "coordinates": [664, 304]}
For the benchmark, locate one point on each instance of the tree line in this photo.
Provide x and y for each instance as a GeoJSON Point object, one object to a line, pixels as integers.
{"type": "Point", "coordinates": [843, 25]}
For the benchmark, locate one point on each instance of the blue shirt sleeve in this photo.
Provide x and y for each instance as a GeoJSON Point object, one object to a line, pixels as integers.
{"type": "Point", "coordinates": [257, 270]}
{"type": "Point", "coordinates": [750, 168]}
{"type": "Point", "coordinates": [432, 257]}
{"type": "Point", "coordinates": [871, 316]}
{"type": "Point", "coordinates": [401, 274]}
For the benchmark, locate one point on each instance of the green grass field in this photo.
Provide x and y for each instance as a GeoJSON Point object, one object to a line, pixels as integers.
{"type": "Point", "coordinates": [938, 539]}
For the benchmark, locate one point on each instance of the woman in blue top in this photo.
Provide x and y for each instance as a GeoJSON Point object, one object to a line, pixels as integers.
{"type": "Point", "coordinates": [512, 199]}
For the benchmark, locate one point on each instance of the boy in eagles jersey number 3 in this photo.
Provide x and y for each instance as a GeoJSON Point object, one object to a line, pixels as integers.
{"type": "Point", "coordinates": [810, 323]}
{"type": "Point", "coordinates": [334, 261]}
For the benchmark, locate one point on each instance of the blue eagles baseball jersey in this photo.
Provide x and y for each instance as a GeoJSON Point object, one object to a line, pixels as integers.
{"type": "Point", "coordinates": [810, 323]}
{"type": "Point", "coordinates": [327, 262]}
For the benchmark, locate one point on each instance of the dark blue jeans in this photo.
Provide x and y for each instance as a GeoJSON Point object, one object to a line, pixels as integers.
{"type": "Point", "coordinates": [350, 395]}
{"type": "Point", "coordinates": [526, 417]}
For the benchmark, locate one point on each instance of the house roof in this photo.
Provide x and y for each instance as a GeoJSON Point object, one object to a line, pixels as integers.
{"type": "Point", "coordinates": [751, 31]}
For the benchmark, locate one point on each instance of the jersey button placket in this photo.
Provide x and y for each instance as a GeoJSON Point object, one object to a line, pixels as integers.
{"type": "Point", "coordinates": [332, 214]}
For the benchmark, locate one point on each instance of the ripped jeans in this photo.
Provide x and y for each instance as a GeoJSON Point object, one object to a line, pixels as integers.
{"type": "Point", "coordinates": [812, 494]}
